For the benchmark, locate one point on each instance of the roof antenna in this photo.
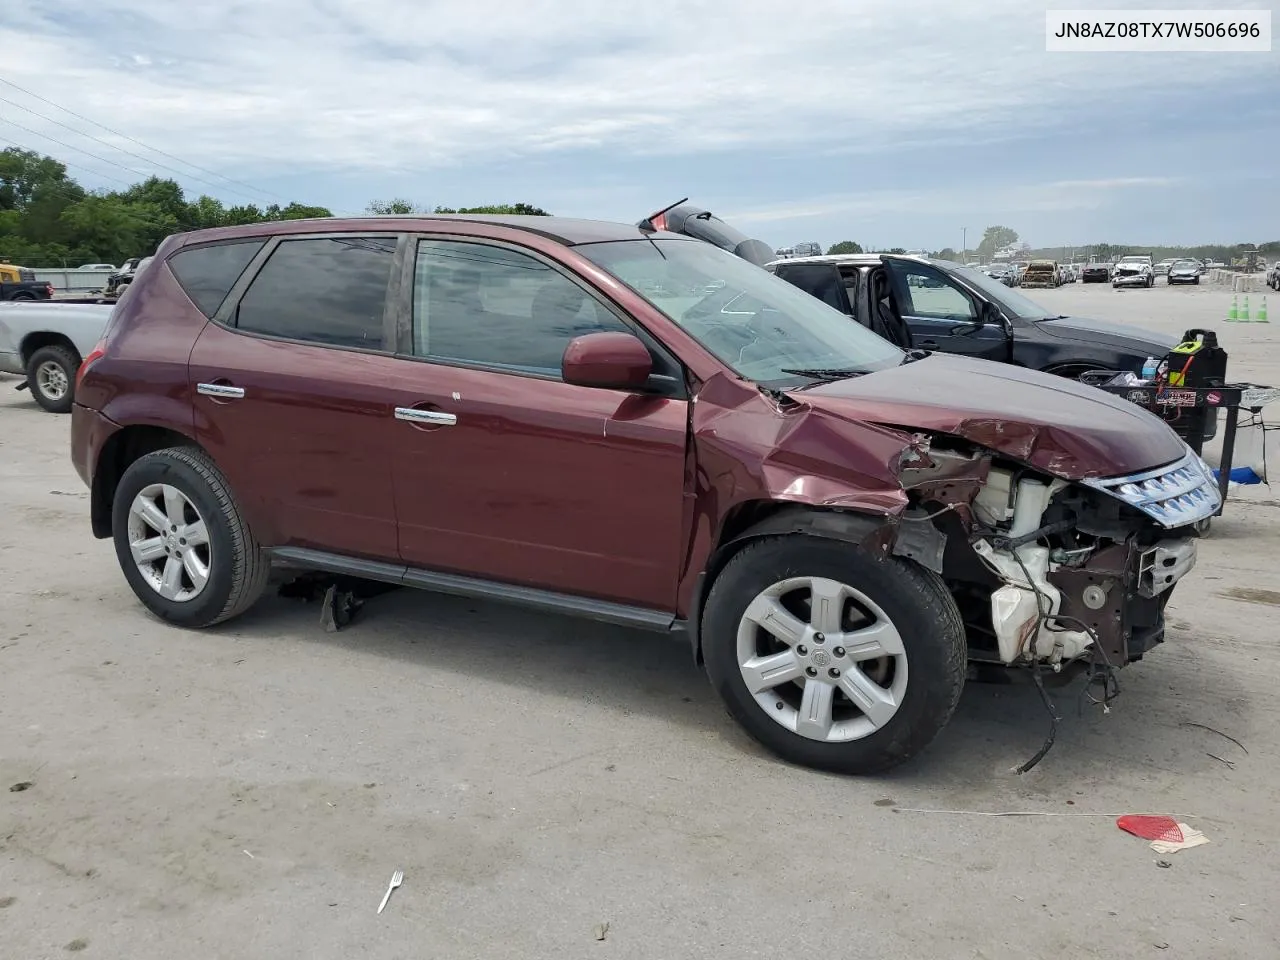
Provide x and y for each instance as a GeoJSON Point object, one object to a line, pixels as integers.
{"type": "Point", "coordinates": [648, 222]}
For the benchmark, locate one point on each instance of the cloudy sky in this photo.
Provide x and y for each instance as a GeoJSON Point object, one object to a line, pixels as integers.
{"type": "Point", "coordinates": [893, 124]}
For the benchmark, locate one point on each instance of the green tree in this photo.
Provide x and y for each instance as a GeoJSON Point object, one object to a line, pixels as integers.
{"type": "Point", "coordinates": [994, 239]}
{"type": "Point", "coordinates": [500, 209]}
{"type": "Point", "coordinates": [844, 246]}
{"type": "Point", "coordinates": [946, 253]}
{"type": "Point", "coordinates": [896, 250]}
{"type": "Point", "coordinates": [398, 205]}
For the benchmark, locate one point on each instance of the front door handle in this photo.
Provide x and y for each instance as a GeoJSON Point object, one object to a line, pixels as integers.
{"type": "Point", "coordinates": [222, 390]}
{"type": "Point", "coordinates": [929, 344]}
{"type": "Point", "coordinates": [436, 417]}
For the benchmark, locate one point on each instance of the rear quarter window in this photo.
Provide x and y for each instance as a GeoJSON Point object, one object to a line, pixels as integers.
{"type": "Point", "coordinates": [208, 273]}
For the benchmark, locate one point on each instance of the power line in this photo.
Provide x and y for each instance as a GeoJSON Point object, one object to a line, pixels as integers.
{"type": "Point", "coordinates": [145, 146]}
{"type": "Point", "coordinates": [69, 146]}
{"type": "Point", "coordinates": [78, 166]}
{"type": "Point", "coordinates": [130, 153]}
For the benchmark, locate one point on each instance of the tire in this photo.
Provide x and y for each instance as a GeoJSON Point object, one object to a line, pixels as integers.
{"type": "Point", "coordinates": [1196, 281]}
{"type": "Point", "coordinates": [926, 672]}
{"type": "Point", "coordinates": [234, 565]}
{"type": "Point", "coordinates": [23, 296]}
{"type": "Point", "coordinates": [51, 376]}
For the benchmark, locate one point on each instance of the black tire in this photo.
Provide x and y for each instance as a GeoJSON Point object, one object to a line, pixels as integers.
{"type": "Point", "coordinates": [915, 600]}
{"type": "Point", "coordinates": [23, 296]}
{"type": "Point", "coordinates": [1196, 281]}
{"type": "Point", "coordinates": [68, 362]}
{"type": "Point", "coordinates": [238, 566]}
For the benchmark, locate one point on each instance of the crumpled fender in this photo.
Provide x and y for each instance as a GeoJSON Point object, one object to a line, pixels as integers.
{"type": "Point", "coordinates": [747, 447]}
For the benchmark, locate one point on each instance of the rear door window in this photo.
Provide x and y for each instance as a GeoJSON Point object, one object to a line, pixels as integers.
{"type": "Point", "coordinates": [208, 273]}
{"type": "Point", "coordinates": [330, 290]}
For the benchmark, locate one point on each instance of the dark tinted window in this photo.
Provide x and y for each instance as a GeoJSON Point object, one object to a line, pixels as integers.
{"type": "Point", "coordinates": [483, 304]}
{"type": "Point", "coordinates": [207, 274]}
{"type": "Point", "coordinates": [324, 290]}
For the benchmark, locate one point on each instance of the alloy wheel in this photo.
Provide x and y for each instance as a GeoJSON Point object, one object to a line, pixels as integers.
{"type": "Point", "coordinates": [169, 542]}
{"type": "Point", "coordinates": [52, 380]}
{"type": "Point", "coordinates": [822, 659]}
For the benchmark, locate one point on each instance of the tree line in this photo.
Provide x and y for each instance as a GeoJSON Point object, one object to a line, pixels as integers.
{"type": "Point", "coordinates": [47, 219]}
{"type": "Point", "coordinates": [997, 238]}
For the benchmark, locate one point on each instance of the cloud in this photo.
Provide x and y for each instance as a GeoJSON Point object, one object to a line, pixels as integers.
{"type": "Point", "coordinates": [386, 85]}
{"type": "Point", "coordinates": [1007, 200]}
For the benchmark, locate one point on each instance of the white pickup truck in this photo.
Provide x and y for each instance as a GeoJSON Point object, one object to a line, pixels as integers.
{"type": "Point", "coordinates": [46, 342]}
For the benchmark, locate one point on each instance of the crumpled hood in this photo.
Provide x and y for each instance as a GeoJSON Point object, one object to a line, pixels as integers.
{"type": "Point", "coordinates": [1060, 426]}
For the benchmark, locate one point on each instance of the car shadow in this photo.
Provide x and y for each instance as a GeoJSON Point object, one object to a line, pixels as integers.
{"type": "Point", "coordinates": [995, 728]}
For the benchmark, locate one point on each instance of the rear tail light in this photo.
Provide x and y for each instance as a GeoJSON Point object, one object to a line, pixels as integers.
{"type": "Point", "coordinates": [97, 353]}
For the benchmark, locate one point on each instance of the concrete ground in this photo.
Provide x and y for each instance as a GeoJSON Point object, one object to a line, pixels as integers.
{"type": "Point", "coordinates": [247, 791]}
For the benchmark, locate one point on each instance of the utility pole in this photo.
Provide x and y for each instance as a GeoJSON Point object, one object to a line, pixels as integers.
{"type": "Point", "coordinates": [964, 244]}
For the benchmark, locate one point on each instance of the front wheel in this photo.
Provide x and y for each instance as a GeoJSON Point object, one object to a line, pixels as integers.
{"type": "Point", "coordinates": [181, 541]}
{"type": "Point", "coordinates": [831, 657]}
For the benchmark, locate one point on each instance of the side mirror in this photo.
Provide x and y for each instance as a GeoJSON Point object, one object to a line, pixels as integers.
{"type": "Point", "coordinates": [616, 361]}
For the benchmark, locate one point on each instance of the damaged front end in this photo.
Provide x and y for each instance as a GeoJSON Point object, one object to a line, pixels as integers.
{"type": "Point", "coordinates": [1049, 571]}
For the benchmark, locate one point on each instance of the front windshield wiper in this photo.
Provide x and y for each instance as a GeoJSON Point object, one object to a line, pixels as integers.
{"type": "Point", "coordinates": [827, 374]}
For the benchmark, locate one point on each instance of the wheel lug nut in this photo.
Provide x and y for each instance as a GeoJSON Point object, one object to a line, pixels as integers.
{"type": "Point", "coordinates": [838, 651]}
{"type": "Point", "coordinates": [834, 673]}
{"type": "Point", "coordinates": [818, 638]}
{"type": "Point", "coordinates": [811, 672]}
{"type": "Point", "coordinates": [184, 543]}
{"type": "Point", "coordinates": [802, 649]}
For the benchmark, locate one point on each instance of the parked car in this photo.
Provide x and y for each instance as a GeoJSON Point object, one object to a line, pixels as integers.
{"type": "Point", "coordinates": [1041, 273]}
{"type": "Point", "coordinates": [490, 407]}
{"type": "Point", "coordinates": [1133, 271]}
{"type": "Point", "coordinates": [1273, 276]}
{"type": "Point", "coordinates": [45, 341]}
{"type": "Point", "coordinates": [19, 283]}
{"type": "Point", "coordinates": [97, 266]}
{"type": "Point", "coordinates": [117, 282]}
{"type": "Point", "coordinates": [1095, 272]}
{"type": "Point", "coordinates": [1184, 271]}
{"type": "Point", "coordinates": [962, 311]}
{"type": "Point", "coordinates": [1162, 268]}
{"type": "Point", "coordinates": [1002, 273]}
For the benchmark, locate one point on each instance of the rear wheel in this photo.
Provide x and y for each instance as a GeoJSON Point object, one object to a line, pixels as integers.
{"type": "Point", "coordinates": [23, 296]}
{"type": "Point", "coordinates": [831, 657]}
{"type": "Point", "coordinates": [181, 541]}
{"type": "Point", "coordinates": [51, 376]}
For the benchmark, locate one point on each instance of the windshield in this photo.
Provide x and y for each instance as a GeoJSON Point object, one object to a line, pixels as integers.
{"type": "Point", "coordinates": [1007, 298]}
{"type": "Point", "coordinates": [753, 322]}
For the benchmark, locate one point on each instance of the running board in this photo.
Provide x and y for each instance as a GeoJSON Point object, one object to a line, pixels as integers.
{"type": "Point", "coordinates": [587, 608]}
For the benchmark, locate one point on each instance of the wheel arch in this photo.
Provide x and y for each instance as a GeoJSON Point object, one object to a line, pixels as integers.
{"type": "Point", "coordinates": [121, 450]}
{"type": "Point", "coordinates": [754, 520]}
{"type": "Point", "coordinates": [39, 339]}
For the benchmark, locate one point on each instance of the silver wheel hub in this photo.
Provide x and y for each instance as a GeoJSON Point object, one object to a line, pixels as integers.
{"type": "Point", "coordinates": [169, 542]}
{"type": "Point", "coordinates": [822, 659]}
{"type": "Point", "coordinates": [52, 380]}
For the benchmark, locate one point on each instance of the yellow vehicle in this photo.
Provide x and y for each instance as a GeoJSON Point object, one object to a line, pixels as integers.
{"type": "Point", "coordinates": [19, 283]}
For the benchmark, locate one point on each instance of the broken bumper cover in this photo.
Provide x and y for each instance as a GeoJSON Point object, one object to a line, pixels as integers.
{"type": "Point", "coordinates": [1131, 279]}
{"type": "Point", "coordinates": [1178, 495]}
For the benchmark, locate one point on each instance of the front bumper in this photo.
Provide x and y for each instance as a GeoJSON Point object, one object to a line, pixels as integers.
{"type": "Point", "coordinates": [1131, 280]}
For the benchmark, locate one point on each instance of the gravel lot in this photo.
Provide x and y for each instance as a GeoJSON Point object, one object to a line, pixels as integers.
{"type": "Point", "coordinates": [247, 791]}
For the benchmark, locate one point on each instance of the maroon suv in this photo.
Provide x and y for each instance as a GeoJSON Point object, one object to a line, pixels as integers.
{"type": "Point", "coordinates": [635, 427]}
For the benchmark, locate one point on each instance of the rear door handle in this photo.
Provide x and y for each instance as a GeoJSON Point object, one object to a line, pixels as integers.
{"type": "Point", "coordinates": [437, 417]}
{"type": "Point", "coordinates": [226, 391]}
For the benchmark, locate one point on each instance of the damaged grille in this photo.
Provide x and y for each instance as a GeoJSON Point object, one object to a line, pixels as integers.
{"type": "Point", "coordinates": [1174, 496]}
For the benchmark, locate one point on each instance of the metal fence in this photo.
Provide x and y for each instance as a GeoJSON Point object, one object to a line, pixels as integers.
{"type": "Point", "coordinates": [74, 280]}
